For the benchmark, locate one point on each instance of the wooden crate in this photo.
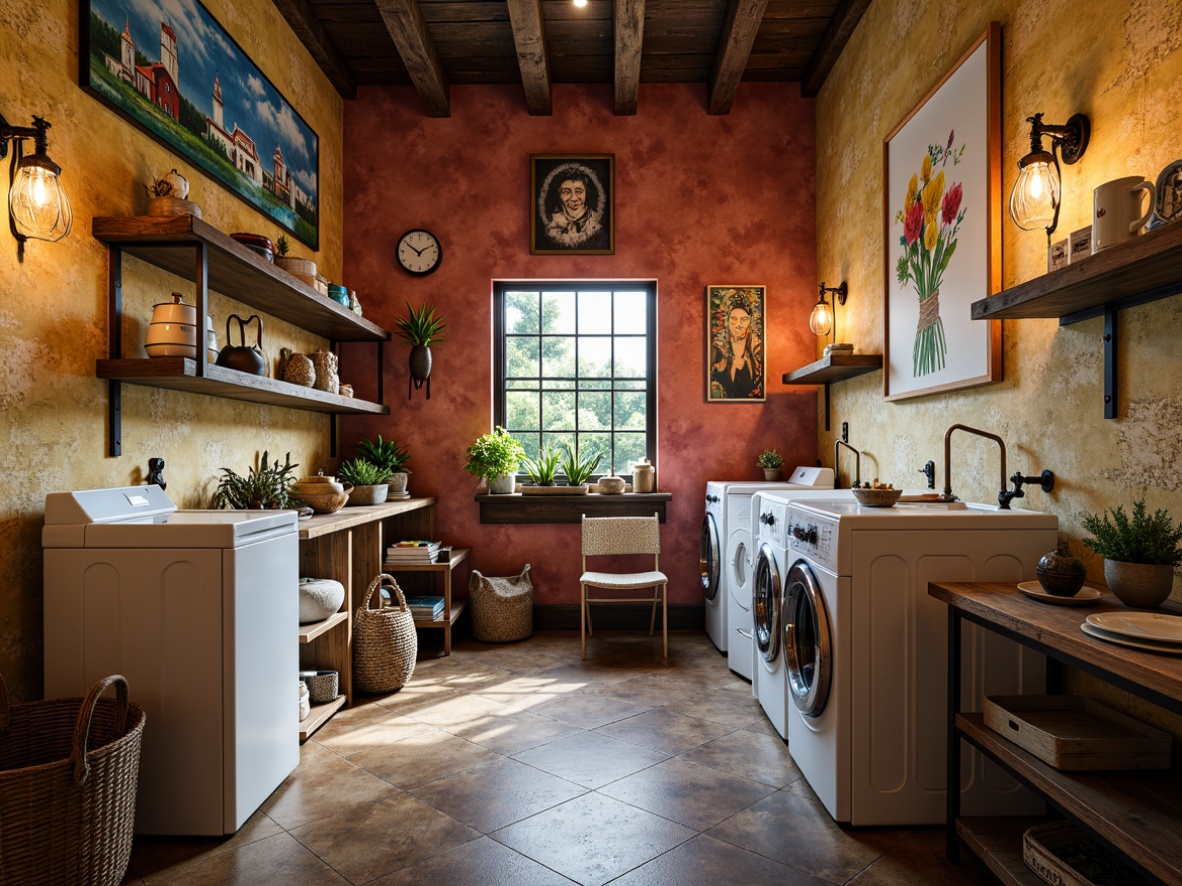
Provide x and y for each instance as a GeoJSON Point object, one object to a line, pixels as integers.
{"type": "Point", "coordinates": [1074, 733]}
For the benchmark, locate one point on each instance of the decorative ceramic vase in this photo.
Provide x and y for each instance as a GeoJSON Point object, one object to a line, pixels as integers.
{"type": "Point", "coordinates": [369, 495]}
{"type": "Point", "coordinates": [398, 483]}
{"type": "Point", "coordinates": [611, 485]}
{"type": "Point", "coordinates": [505, 484]}
{"type": "Point", "coordinates": [1060, 572]}
{"type": "Point", "coordinates": [298, 369]}
{"type": "Point", "coordinates": [325, 363]}
{"type": "Point", "coordinates": [319, 598]}
{"type": "Point", "coordinates": [644, 476]}
{"type": "Point", "coordinates": [772, 475]}
{"type": "Point", "coordinates": [420, 364]}
{"type": "Point", "coordinates": [1140, 585]}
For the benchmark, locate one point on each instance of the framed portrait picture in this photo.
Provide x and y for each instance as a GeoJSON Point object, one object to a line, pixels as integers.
{"type": "Point", "coordinates": [573, 208]}
{"type": "Point", "coordinates": [182, 79]}
{"type": "Point", "coordinates": [942, 218]}
{"type": "Point", "coordinates": [735, 355]}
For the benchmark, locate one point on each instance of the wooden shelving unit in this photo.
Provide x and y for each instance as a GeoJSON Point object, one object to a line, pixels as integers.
{"type": "Point", "coordinates": [518, 508]}
{"type": "Point", "coordinates": [452, 608]}
{"type": "Point", "coordinates": [837, 366]}
{"type": "Point", "coordinates": [310, 632]}
{"type": "Point", "coordinates": [1144, 269]}
{"type": "Point", "coordinates": [1138, 813]}
{"type": "Point", "coordinates": [319, 715]}
{"type": "Point", "coordinates": [196, 251]}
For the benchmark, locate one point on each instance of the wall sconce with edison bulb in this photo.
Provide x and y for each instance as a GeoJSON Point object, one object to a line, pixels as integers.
{"type": "Point", "coordinates": [1034, 202]}
{"type": "Point", "coordinates": [824, 318]}
{"type": "Point", "coordinates": [38, 207]}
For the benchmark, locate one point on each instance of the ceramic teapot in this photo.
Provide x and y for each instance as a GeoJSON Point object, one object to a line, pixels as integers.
{"type": "Point", "coordinates": [244, 357]}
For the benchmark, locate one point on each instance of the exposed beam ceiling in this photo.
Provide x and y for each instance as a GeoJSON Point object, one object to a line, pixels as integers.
{"type": "Point", "coordinates": [841, 28]}
{"type": "Point", "coordinates": [743, 18]}
{"type": "Point", "coordinates": [311, 33]}
{"type": "Point", "coordinates": [529, 36]}
{"type": "Point", "coordinates": [408, 30]}
{"type": "Point", "coordinates": [629, 33]}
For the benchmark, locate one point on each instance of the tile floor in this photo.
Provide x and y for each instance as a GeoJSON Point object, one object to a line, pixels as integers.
{"type": "Point", "coordinates": [521, 764]}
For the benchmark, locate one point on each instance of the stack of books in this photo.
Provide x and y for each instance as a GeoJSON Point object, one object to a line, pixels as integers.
{"type": "Point", "coordinates": [425, 608]}
{"type": "Point", "coordinates": [413, 551]}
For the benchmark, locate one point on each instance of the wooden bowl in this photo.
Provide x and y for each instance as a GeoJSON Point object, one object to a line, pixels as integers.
{"type": "Point", "coordinates": [877, 498]}
{"type": "Point", "coordinates": [324, 502]}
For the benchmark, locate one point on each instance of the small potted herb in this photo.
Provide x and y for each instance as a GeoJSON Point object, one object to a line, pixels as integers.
{"type": "Point", "coordinates": [1139, 553]}
{"type": "Point", "coordinates": [389, 457]}
{"type": "Point", "coordinates": [299, 266]}
{"type": "Point", "coordinates": [369, 481]}
{"type": "Point", "coordinates": [420, 329]}
{"type": "Point", "coordinates": [772, 463]}
{"type": "Point", "coordinates": [495, 457]}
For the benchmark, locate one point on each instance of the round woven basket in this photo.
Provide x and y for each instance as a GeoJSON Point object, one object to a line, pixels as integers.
{"type": "Point", "coordinates": [385, 643]}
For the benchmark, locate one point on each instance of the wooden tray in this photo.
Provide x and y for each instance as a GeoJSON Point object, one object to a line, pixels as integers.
{"type": "Point", "coordinates": [1073, 733]}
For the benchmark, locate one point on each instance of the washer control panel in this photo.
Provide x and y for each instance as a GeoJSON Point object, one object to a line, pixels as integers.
{"type": "Point", "coordinates": [812, 536]}
{"type": "Point", "coordinates": [773, 522]}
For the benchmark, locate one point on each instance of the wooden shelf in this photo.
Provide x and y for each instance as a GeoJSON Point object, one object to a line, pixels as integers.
{"type": "Point", "coordinates": [454, 608]}
{"type": "Point", "coordinates": [310, 632]}
{"type": "Point", "coordinates": [233, 270]}
{"type": "Point", "coordinates": [1144, 268]}
{"type": "Point", "coordinates": [834, 367]}
{"type": "Point", "coordinates": [354, 516]}
{"type": "Point", "coordinates": [458, 555]}
{"type": "Point", "coordinates": [180, 374]}
{"type": "Point", "coordinates": [457, 609]}
{"type": "Point", "coordinates": [998, 843]}
{"type": "Point", "coordinates": [319, 715]}
{"type": "Point", "coordinates": [518, 508]}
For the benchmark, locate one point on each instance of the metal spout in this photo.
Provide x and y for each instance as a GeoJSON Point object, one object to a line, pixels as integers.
{"type": "Point", "coordinates": [857, 464]}
{"type": "Point", "coordinates": [1003, 497]}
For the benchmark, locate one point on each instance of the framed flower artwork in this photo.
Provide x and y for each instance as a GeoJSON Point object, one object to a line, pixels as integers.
{"type": "Point", "coordinates": [942, 220]}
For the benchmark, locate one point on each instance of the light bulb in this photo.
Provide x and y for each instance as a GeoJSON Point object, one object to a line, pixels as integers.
{"type": "Point", "coordinates": [821, 319]}
{"type": "Point", "coordinates": [1035, 195]}
{"type": "Point", "coordinates": [39, 206]}
{"type": "Point", "coordinates": [580, 3]}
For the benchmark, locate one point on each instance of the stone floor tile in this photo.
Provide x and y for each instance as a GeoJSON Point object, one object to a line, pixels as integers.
{"type": "Point", "coordinates": [512, 733]}
{"type": "Point", "coordinates": [156, 856]}
{"type": "Point", "coordinates": [366, 726]}
{"type": "Point", "coordinates": [665, 731]}
{"type": "Point", "coordinates": [589, 710]}
{"type": "Point", "coordinates": [919, 858]}
{"type": "Point", "coordinates": [590, 759]}
{"type": "Point", "coordinates": [482, 862]}
{"type": "Point", "coordinates": [754, 755]}
{"type": "Point", "coordinates": [422, 758]}
{"type": "Point", "coordinates": [734, 709]}
{"type": "Point", "coordinates": [648, 689]}
{"type": "Point", "coordinates": [704, 861]}
{"type": "Point", "coordinates": [277, 861]}
{"type": "Point", "coordinates": [332, 788]}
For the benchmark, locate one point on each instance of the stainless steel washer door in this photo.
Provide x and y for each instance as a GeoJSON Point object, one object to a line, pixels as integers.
{"type": "Point", "coordinates": [765, 603]}
{"type": "Point", "coordinates": [808, 646]}
{"type": "Point", "coordinates": [709, 557]}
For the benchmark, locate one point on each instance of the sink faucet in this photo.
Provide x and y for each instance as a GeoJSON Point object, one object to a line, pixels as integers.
{"type": "Point", "coordinates": [1003, 495]}
{"type": "Point", "coordinates": [857, 464]}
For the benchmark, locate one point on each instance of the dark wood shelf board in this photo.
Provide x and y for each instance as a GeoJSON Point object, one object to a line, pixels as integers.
{"type": "Point", "coordinates": [835, 367]}
{"type": "Point", "coordinates": [998, 843]}
{"type": "Point", "coordinates": [235, 271]}
{"type": "Point", "coordinates": [518, 508]}
{"type": "Point", "coordinates": [180, 374]}
{"type": "Point", "coordinates": [1149, 266]}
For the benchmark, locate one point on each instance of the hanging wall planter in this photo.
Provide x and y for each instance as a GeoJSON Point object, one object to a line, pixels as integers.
{"type": "Point", "coordinates": [420, 329]}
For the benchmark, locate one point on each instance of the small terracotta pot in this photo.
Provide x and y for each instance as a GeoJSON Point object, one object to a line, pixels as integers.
{"type": "Point", "coordinates": [1140, 585]}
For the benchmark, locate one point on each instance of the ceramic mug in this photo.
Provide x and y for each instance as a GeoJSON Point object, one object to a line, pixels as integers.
{"type": "Point", "coordinates": [1117, 215]}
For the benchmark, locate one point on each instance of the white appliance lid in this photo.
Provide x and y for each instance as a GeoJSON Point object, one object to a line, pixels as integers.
{"type": "Point", "coordinates": [927, 515]}
{"type": "Point", "coordinates": [821, 478]}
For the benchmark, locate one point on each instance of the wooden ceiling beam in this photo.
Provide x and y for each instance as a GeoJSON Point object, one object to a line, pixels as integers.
{"type": "Point", "coordinates": [307, 27]}
{"type": "Point", "coordinates": [529, 36]}
{"type": "Point", "coordinates": [742, 22]}
{"type": "Point", "coordinates": [408, 30]}
{"type": "Point", "coordinates": [841, 27]}
{"type": "Point", "coordinates": [629, 33]}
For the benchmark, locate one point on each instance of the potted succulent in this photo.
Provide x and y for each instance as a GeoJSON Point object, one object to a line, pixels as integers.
{"type": "Point", "coordinates": [542, 470]}
{"type": "Point", "coordinates": [369, 481]}
{"type": "Point", "coordinates": [420, 329]}
{"type": "Point", "coordinates": [289, 263]}
{"type": "Point", "coordinates": [389, 457]}
{"type": "Point", "coordinates": [1139, 553]}
{"type": "Point", "coordinates": [495, 457]}
{"type": "Point", "coordinates": [772, 463]}
{"type": "Point", "coordinates": [578, 470]}
{"type": "Point", "coordinates": [264, 488]}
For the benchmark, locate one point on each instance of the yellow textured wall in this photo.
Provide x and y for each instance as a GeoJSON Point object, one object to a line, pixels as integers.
{"type": "Point", "coordinates": [53, 303]}
{"type": "Point", "coordinates": [1119, 62]}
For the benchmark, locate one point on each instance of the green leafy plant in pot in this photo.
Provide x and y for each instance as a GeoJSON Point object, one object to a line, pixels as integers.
{"type": "Point", "coordinates": [1139, 553]}
{"type": "Point", "coordinates": [369, 481]}
{"type": "Point", "coordinates": [772, 463]}
{"type": "Point", "coordinates": [420, 329]}
{"type": "Point", "coordinates": [578, 469]}
{"type": "Point", "coordinates": [389, 457]}
{"type": "Point", "coordinates": [543, 469]}
{"type": "Point", "coordinates": [495, 457]}
{"type": "Point", "coordinates": [263, 488]}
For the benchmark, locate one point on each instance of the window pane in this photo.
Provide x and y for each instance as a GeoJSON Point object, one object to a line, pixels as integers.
{"type": "Point", "coordinates": [524, 410]}
{"type": "Point", "coordinates": [529, 442]}
{"type": "Point", "coordinates": [631, 313]}
{"type": "Point", "coordinates": [594, 384]}
{"type": "Point", "coordinates": [558, 356]}
{"type": "Point", "coordinates": [595, 312]}
{"type": "Point", "coordinates": [630, 411]}
{"type": "Point", "coordinates": [558, 312]}
{"type": "Point", "coordinates": [597, 443]}
{"type": "Point", "coordinates": [595, 411]}
{"type": "Point", "coordinates": [630, 357]}
{"type": "Point", "coordinates": [555, 441]}
{"type": "Point", "coordinates": [629, 448]}
{"type": "Point", "coordinates": [624, 384]}
{"type": "Point", "coordinates": [521, 356]}
{"type": "Point", "coordinates": [558, 411]}
{"type": "Point", "coordinates": [521, 311]}
{"type": "Point", "coordinates": [521, 384]}
{"type": "Point", "coordinates": [595, 356]}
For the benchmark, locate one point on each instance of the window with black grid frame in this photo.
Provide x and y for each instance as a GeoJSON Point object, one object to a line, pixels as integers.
{"type": "Point", "coordinates": [576, 366]}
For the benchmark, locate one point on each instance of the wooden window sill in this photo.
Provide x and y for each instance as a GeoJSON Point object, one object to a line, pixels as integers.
{"type": "Point", "coordinates": [518, 508]}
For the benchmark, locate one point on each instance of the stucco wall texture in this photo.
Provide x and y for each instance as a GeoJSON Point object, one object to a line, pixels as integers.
{"type": "Point", "coordinates": [1118, 62]}
{"type": "Point", "coordinates": [699, 200]}
{"type": "Point", "coordinates": [53, 305]}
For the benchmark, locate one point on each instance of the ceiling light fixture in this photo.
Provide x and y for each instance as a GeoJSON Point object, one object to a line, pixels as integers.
{"type": "Point", "coordinates": [1034, 202]}
{"type": "Point", "coordinates": [580, 3]}
{"type": "Point", "coordinates": [38, 207]}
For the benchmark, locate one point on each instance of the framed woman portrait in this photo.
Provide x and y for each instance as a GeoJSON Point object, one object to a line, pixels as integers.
{"type": "Point", "coordinates": [735, 344]}
{"type": "Point", "coordinates": [573, 208]}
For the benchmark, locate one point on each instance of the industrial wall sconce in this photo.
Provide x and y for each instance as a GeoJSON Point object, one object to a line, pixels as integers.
{"type": "Point", "coordinates": [823, 318]}
{"type": "Point", "coordinates": [1034, 202]}
{"type": "Point", "coordinates": [38, 208]}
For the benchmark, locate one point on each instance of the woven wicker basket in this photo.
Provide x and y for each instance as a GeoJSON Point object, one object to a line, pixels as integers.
{"type": "Point", "coordinates": [385, 643]}
{"type": "Point", "coordinates": [68, 774]}
{"type": "Point", "coordinates": [502, 608]}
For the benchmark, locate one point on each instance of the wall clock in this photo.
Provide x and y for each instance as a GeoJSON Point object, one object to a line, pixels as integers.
{"type": "Point", "coordinates": [419, 252]}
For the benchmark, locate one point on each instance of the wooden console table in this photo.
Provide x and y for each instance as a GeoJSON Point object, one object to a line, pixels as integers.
{"type": "Point", "coordinates": [1138, 813]}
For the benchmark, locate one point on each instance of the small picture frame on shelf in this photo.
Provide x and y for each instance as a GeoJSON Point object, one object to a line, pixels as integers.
{"type": "Point", "coordinates": [1057, 256]}
{"type": "Point", "coordinates": [1079, 245]}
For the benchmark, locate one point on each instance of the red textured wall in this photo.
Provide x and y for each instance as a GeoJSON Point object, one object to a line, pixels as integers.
{"type": "Point", "coordinates": [699, 200]}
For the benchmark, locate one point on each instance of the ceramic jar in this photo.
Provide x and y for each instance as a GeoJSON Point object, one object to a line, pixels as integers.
{"type": "Point", "coordinates": [325, 364]}
{"type": "Point", "coordinates": [298, 369]}
{"type": "Point", "coordinates": [1060, 572]}
{"type": "Point", "coordinates": [644, 476]}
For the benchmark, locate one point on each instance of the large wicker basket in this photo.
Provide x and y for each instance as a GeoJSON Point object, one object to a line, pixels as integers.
{"type": "Point", "coordinates": [502, 607]}
{"type": "Point", "coordinates": [385, 643]}
{"type": "Point", "coordinates": [68, 774]}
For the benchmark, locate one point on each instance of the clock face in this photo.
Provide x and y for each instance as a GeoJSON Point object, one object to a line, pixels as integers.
{"type": "Point", "coordinates": [419, 251]}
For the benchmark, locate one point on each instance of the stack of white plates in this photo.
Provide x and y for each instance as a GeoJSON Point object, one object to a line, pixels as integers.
{"type": "Point", "coordinates": [1150, 631]}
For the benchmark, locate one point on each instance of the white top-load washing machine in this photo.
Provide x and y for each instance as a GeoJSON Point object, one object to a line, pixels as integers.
{"type": "Point", "coordinates": [724, 515]}
{"type": "Point", "coordinates": [199, 610]}
{"type": "Point", "coordinates": [865, 652]}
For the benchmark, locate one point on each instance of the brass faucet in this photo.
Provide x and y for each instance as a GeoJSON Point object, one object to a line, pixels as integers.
{"type": "Point", "coordinates": [1003, 495]}
{"type": "Point", "coordinates": [857, 464]}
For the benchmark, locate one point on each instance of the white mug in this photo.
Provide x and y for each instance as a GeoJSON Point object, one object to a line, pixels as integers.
{"type": "Point", "coordinates": [1117, 215]}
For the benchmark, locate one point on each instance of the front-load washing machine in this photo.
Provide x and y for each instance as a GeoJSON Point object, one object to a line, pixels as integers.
{"type": "Point", "coordinates": [865, 652]}
{"type": "Point", "coordinates": [771, 566]}
{"type": "Point", "coordinates": [728, 507]}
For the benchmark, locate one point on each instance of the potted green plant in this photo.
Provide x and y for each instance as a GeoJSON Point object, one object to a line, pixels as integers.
{"type": "Point", "coordinates": [495, 457]}
{"type": "Point", "coordinates": [543, 469]}
{"type": "Point", "coordinates": [263, 488]}
{"type": "Point", "coordinates": [772, 463]}
{"type": "Point", "coordinates": [391, 458]}
{"type": "Point", "coordinates": [420, 329]}
{"type": "Point", "coordinates": [578, 470]}
{"type": "Point", "coordinates": [369, 481]}
{"type": "Point", "coordinates": [1139, 553]}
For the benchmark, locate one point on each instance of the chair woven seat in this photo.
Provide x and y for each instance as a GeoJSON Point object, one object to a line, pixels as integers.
{"type": "Point", "coordinates": [623, 580]}
{"type": "Point", "coordinates": [609, 536]}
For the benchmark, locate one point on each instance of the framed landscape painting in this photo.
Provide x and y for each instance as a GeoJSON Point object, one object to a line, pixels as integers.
{"type": "Point", "coordinates": [572, 204]}
{"type": "Point", "coordinates": [735, 343]}
{"type": "Point", "coordinates": [942, 218]}
{"type": "Point", "coordinates": [180, 77]}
